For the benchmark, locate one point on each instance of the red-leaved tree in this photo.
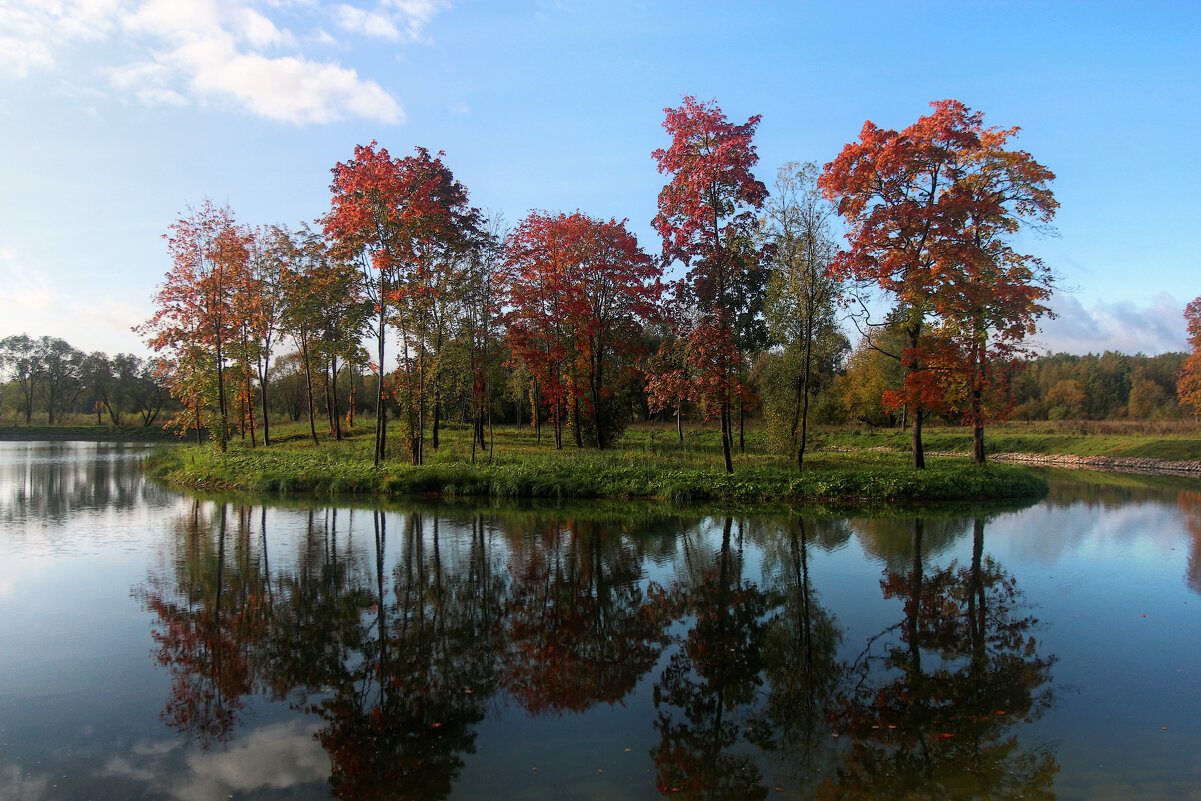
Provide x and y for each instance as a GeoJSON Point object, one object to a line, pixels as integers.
{"type": "Point", "coordinates": [578, 290]}
{"type": "Point", "coordinates": [706, 212]}
{"type": "Point", "coordinates": [931, 210]}
{"type": "Point", "coordinates": [1188, 386]}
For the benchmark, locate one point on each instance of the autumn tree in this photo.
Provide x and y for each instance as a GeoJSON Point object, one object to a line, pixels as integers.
{"type": "Point", "coordinates": [706, 211]}
{"type": "Point", "coordinates": [396, 218]}
{"type": "Point", "coordinates": [801, 307]}
{"type": "Point", "coordinates": [578, 289]}
{"type": "Point", "coordinates": [931, 210]}
{"type": "Point", "coordinates": [192, 323]}
{"type": "Point", "coordinates": [1188, 387]}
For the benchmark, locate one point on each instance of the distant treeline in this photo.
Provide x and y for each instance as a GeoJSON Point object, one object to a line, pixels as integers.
{"type": "Point", "coordinates": [47, 380]}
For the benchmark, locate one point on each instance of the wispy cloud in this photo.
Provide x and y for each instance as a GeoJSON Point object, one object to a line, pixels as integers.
{"type": "Point", "coordinates": [219, 51]}
{"type": "Point", "coordinates": [1156, 326]}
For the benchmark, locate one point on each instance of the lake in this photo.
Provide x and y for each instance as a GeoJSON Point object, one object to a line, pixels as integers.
{"type": "Point", "coordinates": [155, 644]}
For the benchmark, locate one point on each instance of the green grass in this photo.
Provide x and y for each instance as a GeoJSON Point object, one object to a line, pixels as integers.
{"type": "Point", "coordinates": [649, 462]}
{"type": "Point", "coordinates": [1178, 440]}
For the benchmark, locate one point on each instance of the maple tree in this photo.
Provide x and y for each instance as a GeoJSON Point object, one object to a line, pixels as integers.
{"type": "Point", "coordinates": [706, 211]}
{"type": "Point", "coordinates": [397, 217]}
{"type": "Point", "coordinates": [1188, 386]}
{"type": "Point", "coordinates": [931, 209]}
{"type": "Point", "coordinates": [577, 290]}
{"type": "Point", "coordinates": [193, 323]}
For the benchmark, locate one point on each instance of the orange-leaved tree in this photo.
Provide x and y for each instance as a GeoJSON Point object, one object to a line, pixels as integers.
{"type": "Point", "coordinates": [931, 209]}
{"type": "Point", "coordinates": [578, 290]}
{"type": "Point", "coordinates": [396, 217]}
{"type": "Point", "coordinates": [1188, 386]}
{"type": "Point", "coordinates": [706, 214]}
{"type": "Point", "coordinates": [193, 321]}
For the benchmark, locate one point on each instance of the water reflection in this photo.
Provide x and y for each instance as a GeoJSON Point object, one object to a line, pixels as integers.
{"type": "Point", "coordinates": [399, 635]}
{"type": "Point", "coordinates": [42, 483]}
{"type": "Point", "coordinates": [933, 704]}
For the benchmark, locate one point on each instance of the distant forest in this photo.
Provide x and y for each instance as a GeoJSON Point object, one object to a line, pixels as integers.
{"type": "Point", "coordinates": [47, 380]}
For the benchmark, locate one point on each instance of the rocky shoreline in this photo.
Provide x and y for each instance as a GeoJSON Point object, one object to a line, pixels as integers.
{"type": "Point", "coordinates": [1124, 464]}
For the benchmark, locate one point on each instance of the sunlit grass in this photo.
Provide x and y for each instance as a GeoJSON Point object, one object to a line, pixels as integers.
{"type": "Point", "coordinates": [648, 462]}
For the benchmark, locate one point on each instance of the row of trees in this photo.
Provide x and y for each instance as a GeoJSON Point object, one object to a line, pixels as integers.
{"type": "Point", "coordinates": [50, 375]}
{"type": "Point", "coordinates": [565, 302]}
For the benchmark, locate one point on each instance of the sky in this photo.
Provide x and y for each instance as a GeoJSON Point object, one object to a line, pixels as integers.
{"type": "Point", "coordinates": [116, 115]}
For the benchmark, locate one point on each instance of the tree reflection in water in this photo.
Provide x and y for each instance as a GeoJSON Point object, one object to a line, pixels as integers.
{"type": "Point", "coordinates": [580, 629]}
{"type": "Point", "coordinates": [1190, 513]}
{"type": "Point", "coordinates": [400, 640]}
{"type": "Point", "coordinates": [209, 622]}
{"type": "Point", "coordinates": [706, 696]}
{"type": "Point", "coordinates": [932, 705]}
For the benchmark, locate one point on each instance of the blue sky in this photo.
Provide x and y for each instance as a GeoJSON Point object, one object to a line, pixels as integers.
{"type": "Point", "coordinates": [117, 114]}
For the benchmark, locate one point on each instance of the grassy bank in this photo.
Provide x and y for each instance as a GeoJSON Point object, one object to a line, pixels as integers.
{"type": "Point", "coordinates": [649, 462]}
{"type": "Point", "coordinates": [1139, 439]}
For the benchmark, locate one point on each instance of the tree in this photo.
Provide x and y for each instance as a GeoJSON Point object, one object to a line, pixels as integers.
{"type": "Point", "coordinates": [61, 368]}
{"type": "Point", "coordinates": [801, 299]}
{"type": "Point", "coordinates": [706, 211]}
{"type": "Point", "coordinates": [18, 357]}
{"type": "Point", "coordinates": [1188, 387]}
{"type": "Point", "coordinates": [579, 289]}
{"type": "Point", "coordinates": [395, 217]}
{"type": "Point", "coordinates": [193, 322]}
{"type": "Point", "coordinates": [930, 210]}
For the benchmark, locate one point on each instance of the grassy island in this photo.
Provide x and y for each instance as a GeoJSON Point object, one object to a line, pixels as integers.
{"type": "Point", "coordinates": [648, 462]}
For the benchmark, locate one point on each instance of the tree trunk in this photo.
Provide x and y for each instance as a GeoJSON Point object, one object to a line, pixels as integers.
{"type": "Point", "coordinates": [337, 407]}
{"type": "Point", "coordinates": [379, 390]}
{"type": "Point", "coordinates": [263, 395]}
{"type": "Point", "coordinates": [915, 439]}
{"type": "Point", "coordinates": [725, 437]}
{"type": "Point", "coordinates": [308, 382]}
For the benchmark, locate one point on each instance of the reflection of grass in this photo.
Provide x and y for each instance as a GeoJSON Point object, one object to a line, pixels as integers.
{"type": "Point", "coordinates": [1181, 440]}
{"type": "Point", "coordinates": [648, 463]}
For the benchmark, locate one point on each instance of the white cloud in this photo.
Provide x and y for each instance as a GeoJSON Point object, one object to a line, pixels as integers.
{"type": "Point", "coordinates": [229, 51]}
{"type": "Point", "coordinates": [368, 23]}
{"type": "Point", "coordinates": [18, 785]}
{"type": "Point", "coordinates": [1155, 326]}
{"type": "Point", "coordinates": [279, 757]}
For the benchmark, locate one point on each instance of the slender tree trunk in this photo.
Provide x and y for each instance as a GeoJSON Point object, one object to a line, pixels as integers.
{"type": "Point", "coordinates": [308, 381]}
{"type": "Point", "coordinates": [725, 436]}
{"type": "Point", "coordinates": [263, 395]}
{"type": "Point", "coordinates": [915, 440]}
{"type": "Point", "coordinates": [337, 406]}
{"type": "Point", "coordinates": [250, 406]}
{"type": "Point", "coordinates": [379, 390]}
{"type": "Point", "coordinates": [804, 399]}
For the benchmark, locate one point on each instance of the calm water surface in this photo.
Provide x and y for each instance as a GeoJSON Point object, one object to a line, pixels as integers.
{"type": "Point", "coordinates": [157, 645]}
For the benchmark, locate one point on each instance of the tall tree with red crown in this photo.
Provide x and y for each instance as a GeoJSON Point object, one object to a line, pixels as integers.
{"type": "Point", "coordinates": [706, 212]}
{"type": "Point", "coordinates": [930, 210]}
{"type": "Point", "coordinates": [193, 322]}
{"type": "Point", "coordinates": [1188, 386]}
{"type": "Point", "coordinates": [397, 217]}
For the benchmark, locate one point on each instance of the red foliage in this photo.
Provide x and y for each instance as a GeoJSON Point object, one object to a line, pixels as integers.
{"type": "Point", "coordinates": [578, 289]}
{"type": "Point", "coordinates": [1188, 387]}
{"type": "Point", "coordinates": [930, 209]}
